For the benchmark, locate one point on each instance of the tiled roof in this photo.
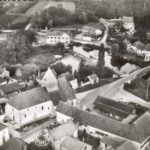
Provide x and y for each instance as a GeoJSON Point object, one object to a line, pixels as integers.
{"type": "Point", "coordinates": [10, 88]}
{"type": "Point", "coordinates": [111, 141]}
{"type": "Point", "coordinates": [54, 33]}
{"type": "Point", "coordinates": [13, 144]}
{"type": "Point", "coordinates": [142, 126]}
{"type": "Point", "coordinates": [89, 28]}
{"type": "Point", "coordinates": [128, 145]}
{"type": "Point", "coordinates": [126, 19]}
{"type": "Point", "coordinates": [66, 92]}
{"type": "Point", "coordinates": [28, 98]}
{"type": "Point", "coordinates": [114, 107]}
{"type": "Point", "coordinates": [66, 129]}
{"type": "Point", "coordinates": [70, 143]}
{"type": "Point", "coordinates": [99, 121]}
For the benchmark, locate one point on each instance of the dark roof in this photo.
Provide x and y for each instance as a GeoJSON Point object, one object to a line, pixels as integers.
{"type": "Point", "coordinates": [10, 88]}
{"type": "Point", "coordinates": [113, 107]}
{"type": "Point", "coordinates": [28, 98]}
{"type": "Point", "coordinates": [99, 121]}
{"type": "Point", "coordinates": [68, 76]}
{"type": "Point", "coordinates": [128, 145]}
{"type": "Point", "coordinates": [66, 91]}
{"type": "Point", "coordinates": [14, 144]}
{"type": "Point", "coordinates": [111, 141]}
{"type": "Point", "coordinates": [2, 126]}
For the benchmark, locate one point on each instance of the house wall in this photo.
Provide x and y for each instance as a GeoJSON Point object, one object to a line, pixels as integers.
{"type": "Point", "coordinates": [56, 39]}
{"type": "Point", "coordinates": [87, 38]}
{"type": "Point", "coordinates": [61, 118]}
{"type": "Point", "coordinates": [31, 114]}
{"type": "Point", "coordinates": [4, 136]}
{"type": "Point", "coordinates": [74, 84]}
{"type": "Point", "coordinates": [129, 26]}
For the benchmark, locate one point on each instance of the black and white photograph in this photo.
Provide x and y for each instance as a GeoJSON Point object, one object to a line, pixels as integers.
{"type": "Point", "coordinates": [74, 74]}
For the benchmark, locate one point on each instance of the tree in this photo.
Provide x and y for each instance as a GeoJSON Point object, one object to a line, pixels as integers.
{"type": "Point", "coordinates": [61, 48]}
{"type": "Point", "coordinates": [115, 49]}
{"type": "Point", "coordinates": [61, 68]}
{"type": "Point", "coordinates": [16, 49]}
{"type": "Point", "coordinates": [101, 61]}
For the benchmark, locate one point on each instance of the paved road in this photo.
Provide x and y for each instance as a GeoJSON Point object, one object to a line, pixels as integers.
{"type": "Point", "coordinates": [112, 89]}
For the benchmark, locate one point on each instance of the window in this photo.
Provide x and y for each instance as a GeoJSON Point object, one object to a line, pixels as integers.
{"type": "Point", "coordinates": [48, 108]}
{"type": "Point", "coordinates": [42, 108]}
{"type": "Point", "coordinates": [25, 115]}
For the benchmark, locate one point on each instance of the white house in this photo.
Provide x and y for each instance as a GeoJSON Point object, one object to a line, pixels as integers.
{"type": "Point", "coordinates": [49, 81]}
{"type": "Point", "coordinates": [54, 37]}
{"type": "Point", "coordinates": [29, 106]}
{"type": "Point", "coordinates": [128, 23]}
{"type": "Point", "coordinates": [59, 133]}
{"type": "Point", "coordinates": [4, 134]}
{"type": "Point", "coordinates": [91, 30]}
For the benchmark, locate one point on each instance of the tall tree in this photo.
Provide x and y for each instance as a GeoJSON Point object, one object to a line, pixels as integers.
{"type": "Point", "coordinates": [101, 54]}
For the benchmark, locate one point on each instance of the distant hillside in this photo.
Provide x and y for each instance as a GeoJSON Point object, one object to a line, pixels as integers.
{"type": "Point", "coordinates": [41, 5]}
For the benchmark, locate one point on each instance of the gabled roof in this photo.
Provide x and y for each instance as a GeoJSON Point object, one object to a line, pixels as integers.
{"type": "Point", "coordinates": [66, 92]}
{"type": "Point", "coordinates": [14, 144]}
{"type": "Point", "coordinates": [49, 81]}
{"type": "Point", "coordinates": [128, 145]}
{"type": "Point", "coordinates": [55, 33]}
{"type": "Point", "coordinates": [89, 28]}
{"type": "Point", "coordinates": [28, 98]}
{"type": "Point", "coordinates": [70, 143]}
{"type": "Point", "coordinates": [49, 76]}
{"type": "Point", "coordinates": [142, 126]}
{"type": "Point", "coordinates": [2, 126]}
{"type": "Point", "coordinates": [66, 129]}
{"type": "Point", "coordinates": [10, 88]}
{"type": "Point", "coordinates": [111, 141]}
{"type": "Point", "coordinates": [126, 19]}
{"type": "Point", "coordinates": [99, 121]}
{"type": "Point", "coordinates": [113, 107]}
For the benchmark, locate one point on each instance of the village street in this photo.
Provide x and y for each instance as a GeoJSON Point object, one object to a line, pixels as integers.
{"type": "Point", "coordinates": [114, 91]}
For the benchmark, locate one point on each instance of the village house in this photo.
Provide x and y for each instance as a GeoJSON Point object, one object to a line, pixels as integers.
{"type": "Point", "coordinates": [14, 144]}
{"type": "Point", "coordinates": [70, 143]}
{"type": "Point", "coordinates": [91, 30]}
{"type": "Point", "coordinates": [11, 88]}
{"type": "Point", "coordinates": [90, 80]}
{"type": "Point", "coordinates": [110, 143]}
{"type": "Point", "coordinates": [139, 49]}
{"type": "Point", "coordinates": [64, 130]}
{"type": "Point", "coordinates": [54, 37]}
{"type": "Point", "coordinates": [128, 23]}
{"type": "Point", "coordinates": [115, 109]}
{"type": "Point", "coordinates": [49, 81]}
{"type": "Point", "coordinates": [4, 134]}
{"type": "Point", "coordinates": [29, 106]}
{"type": "Point", "coordinates": [100, 125]}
